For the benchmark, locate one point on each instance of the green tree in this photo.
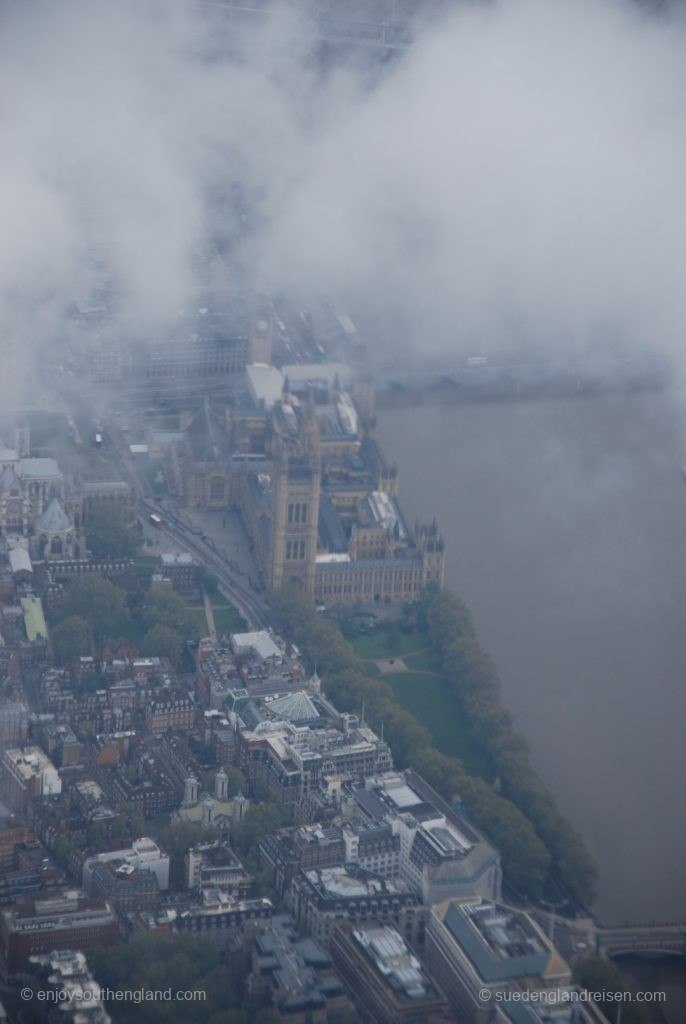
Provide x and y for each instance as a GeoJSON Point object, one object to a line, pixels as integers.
{"type": "Point", "coordinates": [97, 601]}
{"type": "Point", "coordinates": [165, 608]}
{"type": "Point", "coordinates": [134, 819]}
{"type": "Point", "coordinates": [526, 861]}
{"type": "Point", "coordinates": [163, 642]}
{"type": "Point", "coordinates": [236, 782]}
{"type": "Point", "coordinates": [190, 962]}
{"type": "Point", "coordinates": [97, 835]}
{"type": "Point", "coordinates": [596, 973]}
{"type": "Point", "coordinates": [393, 637]}
{"type": "Point", "coordinates": [108, 534]}
{"type": "Point", "coordinates": [177, 840]}
{"type": "Point", "coordinates": [61, 849]}
{"type": "Point", "coordinates": [259, 820]}
{"type": "Point", "coordinates": [119, 828]}
{"type": "Point", "coordinates": [71, 639]}
{"type": "Point", "coordinates": [476, 684]}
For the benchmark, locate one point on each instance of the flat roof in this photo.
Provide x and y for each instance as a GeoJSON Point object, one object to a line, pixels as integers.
{"type": "Point", "coordinates": [34, 620]}
{"type": "Point", "coordinates": [20, 560]}
{"type": "Point", "coordinates": [40, 468]}
{"type": "Point", "coordinates": [265, 383]}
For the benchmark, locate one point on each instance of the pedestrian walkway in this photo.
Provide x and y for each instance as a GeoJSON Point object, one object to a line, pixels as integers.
{"type": "Point", "coordinates": [209, 615]}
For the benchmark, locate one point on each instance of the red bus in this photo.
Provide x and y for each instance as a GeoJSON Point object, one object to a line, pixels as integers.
{"type": "Point", "coordinates": [155, 520]}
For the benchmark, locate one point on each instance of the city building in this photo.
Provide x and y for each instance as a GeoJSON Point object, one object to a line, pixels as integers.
{"type": "Point", "coordinates": [291, 757]}
{"type": "Point", "coordinates": [25, 773]}
{"type": "Point", "coordinates": [181, 568]}
{"type": "Point", "coordinates": [440, 853]}
{"type": "Point", "coordinates": [372, 847]}
{"type": "Point", "coordinates": [388, 983]}
{"type": "Point", "coordinates": [96, 495]}
{"type": "Point", "coordinates": [321, 897]}
{"type": "Point", "coordinates": [214, 865]}
{"type": "Point", "coordinates": [172, 710]}
{"type": "Point", "coordinates": [289, 850]}
{"type": "Point", "coordinates": [124, 887]}
{"type": "Point", "coordinates": [202, 344]}
{"type": "Point", "coordinates": [66, 920]}
{"type": "Point", "coordinates": [12, 835]}
{"type": "Point", "coordinates": [317, 500]}
{"type": "Point", "coordinates": [76, 992]}
{"type": "Point", "coordinates": [14, 722]}
{"type": "Point", "coordinates": [477, 945]}
{"type": "Point", "coordinates": [144, 855]}
{"type": "Point", "coordinates": [221, 917]}
{"type": "Point", "coordinates": [295, 977]}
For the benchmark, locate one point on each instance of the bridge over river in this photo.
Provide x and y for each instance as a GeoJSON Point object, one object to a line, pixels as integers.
{"type": "Point", "coordinates": [642, 940]}
{"type": "Point", "coordinates": [576, 937]}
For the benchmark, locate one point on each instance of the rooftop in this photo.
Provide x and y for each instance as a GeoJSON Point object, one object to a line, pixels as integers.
{"type": "Point", "coordinates": [55, 519]}
{"type": "Point", "coordinates": [392, 958]}
{"type": "Point", "coordinates": [28, 762]}
{"type": "Point", "coordinates": [177, 558]}
{"type": "Point", "coordinates": [20, 560]}
{"type": "Point", "coordinates": [265, 384]}
{"type": "Point", "coordinates": [351, 883]}
{"type": "Point", "coordinates": [40, 468]}
{"type": "Point", "coordinates": [34, 620]}
{"type": "Point", "coordinates": [295, 707]}
{"type": "Point", "coordinates": [501, 942]}
{"type": "Point", "coordinates": [295, 965]}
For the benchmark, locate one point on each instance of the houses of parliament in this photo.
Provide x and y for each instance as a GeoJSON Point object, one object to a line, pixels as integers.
{"type": "Point", "coordinates": [296, 454]}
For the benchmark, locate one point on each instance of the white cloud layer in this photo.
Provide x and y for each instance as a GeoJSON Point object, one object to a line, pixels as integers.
{"type": "Point", "coordinates": [517, 178]}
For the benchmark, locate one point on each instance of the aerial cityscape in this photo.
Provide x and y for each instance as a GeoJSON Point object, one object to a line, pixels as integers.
{"type": "Point", "coordinates": [342, 512]}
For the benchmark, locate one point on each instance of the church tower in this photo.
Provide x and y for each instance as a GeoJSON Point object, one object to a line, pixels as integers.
{"type": "Point", "coordinates": [295, 507]}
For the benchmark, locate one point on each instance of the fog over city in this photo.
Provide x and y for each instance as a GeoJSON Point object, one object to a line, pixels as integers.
{"type": "Point", "coordinates": [515, 179]}
{"type": "Point", "coordinates": [499, 199]}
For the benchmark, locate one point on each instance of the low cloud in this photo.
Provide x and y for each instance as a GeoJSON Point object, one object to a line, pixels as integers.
{"type": "Point", "coordinates": [515, 179]}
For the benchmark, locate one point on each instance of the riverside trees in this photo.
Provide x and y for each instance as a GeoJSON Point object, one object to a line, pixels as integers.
{"type": "Point", "coordinates": [525, 859]}
{"type": "Point", "coordinates": [477, 686]}
{"type": "Point", "coordinates": [537, 845]}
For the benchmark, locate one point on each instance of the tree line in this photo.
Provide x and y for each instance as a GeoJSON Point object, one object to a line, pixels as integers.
{"type": "Point", "coordinates": [475, 681]}
{"type": "Point", "coordinates": [537, 846]}
{"type": "Point", "coordinates": [93, 608]}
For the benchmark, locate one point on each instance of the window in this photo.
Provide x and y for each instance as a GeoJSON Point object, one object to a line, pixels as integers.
{"type": "Point", "coordinates": [297, 512]}
{"type": "Point", "coordinates": [217, 488]}
{"type": "Point", "coordinates": [295, 549]}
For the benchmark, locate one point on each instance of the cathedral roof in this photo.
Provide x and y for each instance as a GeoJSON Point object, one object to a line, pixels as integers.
{"type": "Point", "coordinates": [203, 436]}
{"type": "Point", "coordinates": [8, 479]}
{"type": "Point", "coordinates": [55, 519]}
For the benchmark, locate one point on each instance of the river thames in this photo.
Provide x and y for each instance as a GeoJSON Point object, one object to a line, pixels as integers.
{"type": "Point", "coordinates": [565, 529]}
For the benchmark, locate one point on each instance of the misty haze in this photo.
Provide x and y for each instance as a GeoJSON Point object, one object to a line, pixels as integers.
{"type": "Point", "coordinates": [342, 509]}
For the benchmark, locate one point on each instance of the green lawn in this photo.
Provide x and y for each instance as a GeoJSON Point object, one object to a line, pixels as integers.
{"type": "Point", "coordinates": [388, 645]}
{"type": "Point", "coordinates": [228, 619]}
{"type": "Point", "coordinates": [370, 669]}
{"type": "Point", "coordinates": [198, 616]}
{"type": "Point", "coordinates": [427, 661]}
{"type": "Point", "coordinates": [432, 702]}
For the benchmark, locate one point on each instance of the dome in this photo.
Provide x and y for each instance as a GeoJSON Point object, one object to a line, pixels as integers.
{"type": "Point", "coordinates": [55, 519]}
